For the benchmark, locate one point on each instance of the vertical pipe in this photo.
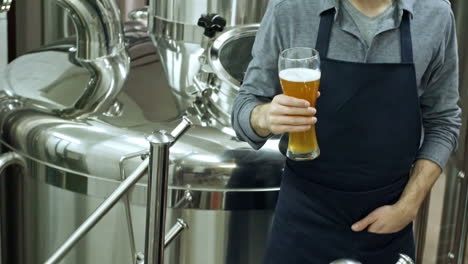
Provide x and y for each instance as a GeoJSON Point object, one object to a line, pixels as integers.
{"type": "Point", "coordinates": [421, 229]}
{"type": "Point", "coordinates": [6, 160]}
{"type": "Point", "coordinates": [157, 196]}
{"type": "Point", "coordinates": [461, 234]}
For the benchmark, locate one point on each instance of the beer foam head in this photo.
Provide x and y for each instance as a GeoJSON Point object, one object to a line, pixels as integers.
{"type": "Point", "coordinates": [300, 75]}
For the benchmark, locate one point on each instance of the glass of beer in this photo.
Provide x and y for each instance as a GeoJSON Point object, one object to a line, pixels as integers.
{"type": "Point", "coordinates": [299, 73]}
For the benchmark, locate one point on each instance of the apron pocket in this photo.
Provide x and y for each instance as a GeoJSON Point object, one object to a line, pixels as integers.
{"type": "Point", "coordinates": [379, 248]}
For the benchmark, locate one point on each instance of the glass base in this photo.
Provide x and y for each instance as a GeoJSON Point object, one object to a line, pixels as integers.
{"type": "Point", "coordinates": [303, 156]}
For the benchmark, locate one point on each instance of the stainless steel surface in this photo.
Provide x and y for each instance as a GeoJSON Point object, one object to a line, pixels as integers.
{"type": "Point", "coordinates": [461, 230]}
{"type": "Point", "coordinates": [185, 200]}
{"type": "Point", "coordinates": [78, 163]}
{"type": "Point", "coordinates": [158, 183]}
{"type": "Point", "coordinates": [175, 232]}
{"type": "Point", "coordinates": [453, 236]}
{"type": "Point", "coordinates": [100, 212]}
{"type": "Point", "coordinates": [175, 20]}
{"type": "Point", "coordinates": [44, 22]}
{"type": "Point", "coordinates": [181, 129]}
{"type": "Point", "coordinates": [51, 214]}
{"type": "Point", "coordinates": [345, 261]}
{"type": "Point", "coordinates": [173, 28]}
{"type": "Point", "coordinates": [405, 260]}
{"type": "Point", "coordinates": [126, 201]}
{"type": "Point", "coordinates": [11, 158]}
{"type": "Point", "coordinates": [421, 229]}
{"type": "Point", "coordinates": [56, 22]}
{"type": "Point", "coordinates": [5, 5]}
{"type": "Point", "coordinates": [127, 6]}
{"type": "Point", "coordinates": [101, 50]}
{"type": "Point", "coordinates": [222, 71]}
{"type": "Point", "coordinates": [6, 160]}
{"type": "Point", "coordinates": [139, 14]}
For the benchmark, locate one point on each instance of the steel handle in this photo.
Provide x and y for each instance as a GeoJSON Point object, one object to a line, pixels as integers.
{"type": "Point", "coordinates": [421, 229]}
{"type": "Point", "coordinates": [461, 226]}
{"type": "Point", "coordinates": [175, 232]}
{"type": "Point", "coordinates": [181, 129]}
{"type": "Point", "coordinates": [157, 191]}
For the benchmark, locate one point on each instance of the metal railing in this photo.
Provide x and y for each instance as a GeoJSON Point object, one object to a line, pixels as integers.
{"type": "Point", "coordinates": [158, 163]}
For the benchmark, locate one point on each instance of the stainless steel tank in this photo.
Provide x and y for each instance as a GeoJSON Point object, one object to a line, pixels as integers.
{"type": "Point", "coordinates": [77, 152]}
{"type": "Point", "coordinates": [173, 26]}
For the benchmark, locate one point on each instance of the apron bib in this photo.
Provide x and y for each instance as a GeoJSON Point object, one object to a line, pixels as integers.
{"type": "Point", "coordinates": [369, 129]}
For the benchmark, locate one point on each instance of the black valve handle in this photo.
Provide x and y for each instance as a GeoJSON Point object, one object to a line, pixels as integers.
{"type": "Point", "coordinates": [212, 23]}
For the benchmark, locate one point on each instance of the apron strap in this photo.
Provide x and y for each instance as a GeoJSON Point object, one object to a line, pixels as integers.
{"type": "Point", "coordinates": [405, 37]}
{"type": "Point", "coordinates": [323, 37]}
{"type": "Point", "coordinates": [326, 25]}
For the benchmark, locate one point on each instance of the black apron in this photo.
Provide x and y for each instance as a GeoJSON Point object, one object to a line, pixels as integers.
{"type": "Point", "coordinates": [369, 129]}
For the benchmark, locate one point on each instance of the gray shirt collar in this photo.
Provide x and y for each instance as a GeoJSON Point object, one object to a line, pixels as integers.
{"type": "Point", "coordinates": [329, 4]}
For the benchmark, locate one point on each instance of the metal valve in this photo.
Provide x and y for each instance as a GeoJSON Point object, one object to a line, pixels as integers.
{"type": "Point", "coordinates": [212, 23]}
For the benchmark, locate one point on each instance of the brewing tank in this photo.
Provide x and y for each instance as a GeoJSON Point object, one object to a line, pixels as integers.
{"type": "Point", "coordinates": [173, 26]}
{"type": "Point", "coordinates": [224, 190]}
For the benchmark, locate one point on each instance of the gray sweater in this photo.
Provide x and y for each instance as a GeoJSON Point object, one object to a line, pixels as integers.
{"type": "Point", "coordinates": [294, 23]}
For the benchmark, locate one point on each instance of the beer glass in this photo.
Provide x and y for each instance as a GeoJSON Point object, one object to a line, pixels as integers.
{"type": "Point", "coordinates": [299, 73]}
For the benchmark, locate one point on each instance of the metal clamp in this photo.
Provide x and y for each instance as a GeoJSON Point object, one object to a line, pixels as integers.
{"type": "Point", "coordinates": [140, 14]}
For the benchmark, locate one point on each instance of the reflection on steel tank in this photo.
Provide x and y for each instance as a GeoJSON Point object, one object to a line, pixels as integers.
{"type": "Point", "coordinates": [77, 112]}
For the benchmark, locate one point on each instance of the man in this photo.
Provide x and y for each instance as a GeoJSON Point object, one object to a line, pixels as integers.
{"type": "Point", "coordinates": [387, 120]}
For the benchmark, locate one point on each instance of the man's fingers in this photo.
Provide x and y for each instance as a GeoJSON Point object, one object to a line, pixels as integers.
{"type": "Point", "coordinates": [290, 101]}
{"type": "Point", "coordinates": [293, 111]}
{"type": "Point", "coordinates": [293, 120]}
{"type": "Point", "coordinates": [291, 129]}
{"type": "Point", "coordinates": [376, 228]}
{"type": "Point", "coordinates": [364, 223]}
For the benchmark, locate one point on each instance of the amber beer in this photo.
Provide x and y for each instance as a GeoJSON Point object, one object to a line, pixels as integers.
{"type": "Point", "coordinates": [302, 83]}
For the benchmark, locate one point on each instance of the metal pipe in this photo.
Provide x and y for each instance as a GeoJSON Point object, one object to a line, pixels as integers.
{"type": "Point", "coordinates": [184, 201]}
{"type": "Point", "coordinates": [421, 229]}
{"type": "Point", "coordinates": [157, 196]}
{"type": "Point", "coordinates": [126, 200]}
{"type": "Point", "coordinates": [461, 229]}
{"type": "Point", "coordinates": [450, 207]}
{"type": "Point", "coordinates": [94, 218]}
{"type": "Point", "coordinates": [175, 231]}
{"type": "Point", "coordinates": [11, 158]}
{"type": "Point", "coordinates": [6, 160]}
{"type": "Point", "coordinates": [181, 129]}
{"type": "Point", "coordinates": [100, 49]}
